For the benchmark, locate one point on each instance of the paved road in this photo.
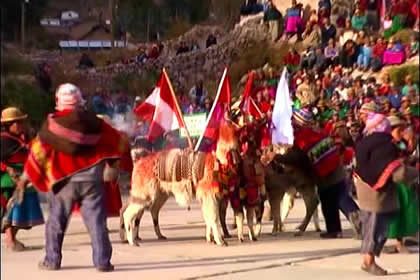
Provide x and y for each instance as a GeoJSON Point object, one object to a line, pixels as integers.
{"type": "Point", "coordinates": [185, 255]}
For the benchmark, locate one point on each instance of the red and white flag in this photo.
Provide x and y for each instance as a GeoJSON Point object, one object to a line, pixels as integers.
{"type": "Point", "coordinates": [161, 109]}
{"type": "Point", "coordinates": [220, 106]}
{"type": "Point", "coordinates": [248, 105]}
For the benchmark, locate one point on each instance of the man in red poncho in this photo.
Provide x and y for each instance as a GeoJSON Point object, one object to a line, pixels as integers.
{"type": "Point", "coordinates": [70, 158]}
{"type": "Point", "coordinates": [317, 154]}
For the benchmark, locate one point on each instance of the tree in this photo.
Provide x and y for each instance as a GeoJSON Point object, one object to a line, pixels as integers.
{"type": "Point", "coordinates": [11, 16]}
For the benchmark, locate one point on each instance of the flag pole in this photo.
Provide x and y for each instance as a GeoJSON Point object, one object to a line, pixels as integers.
{"type": "Point", "coordinates": [212, 109]}
{"type": "Point", "coordinates": [190, 144]}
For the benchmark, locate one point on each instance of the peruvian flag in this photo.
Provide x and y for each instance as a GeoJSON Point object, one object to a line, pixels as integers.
{"type": "Point", "coordinates": [161, 109]}
{"type": "Point", "coordinates": [220, 106]}
{"type": "Point", "coordinates": [248, 105]}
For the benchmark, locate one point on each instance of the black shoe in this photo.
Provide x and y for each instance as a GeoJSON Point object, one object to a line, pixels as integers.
{"type": "Point", "coordinates": [44, 266]}
{"type": "Point", "coordinates": [331, 235]}
{"type": "Point", "coordinates": [106, 268]}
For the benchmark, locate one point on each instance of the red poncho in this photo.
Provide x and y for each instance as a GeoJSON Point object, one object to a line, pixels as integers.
{"type": "Point", "coordinates": [46, 166]}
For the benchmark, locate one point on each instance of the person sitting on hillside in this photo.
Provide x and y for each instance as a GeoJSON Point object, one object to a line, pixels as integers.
{"type": "Point", "coordinates": [377, 54]}
{"type": "Point", "coordinates": [328, 31]}
{"type": "Point", "coordinates": [394, 54]}
{"type": "Point", "coordinates": [311, 35]}
{"type": "Point", "coordinates": [273, 16]}
{"type": "Point", "coordinates": [85, 62]}
{"type": "Point", "coordinates": [294, 24]}
{"type": "Point", "coordinates": [292, 60]}
{"type": "Point", "coordinates": [194, 46]}
{"type": "Point", "coordinates": [412, 48]}
{"type": "Point", "coordinates": [43, 75]}
{"type": "Point", "coordinates": [211, 40]}
{"type": "Point", "coordinates": [183, 48]}
{"type": "Point", "coordinates": [198, 94]}
{"type": "Point", "coordinates": [250, 7]}
{"type": "Point", "coordinates": [359, 20]}
{"type": "Point", "coordinates": [347, 33]}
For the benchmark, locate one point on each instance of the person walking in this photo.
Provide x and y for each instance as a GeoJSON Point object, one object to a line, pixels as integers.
{"type": "Point", "coordinates": [72, 156]}
{"type": "Point", "coordinates": [273, 16]}
{"type": "Point", "coordinates": [378, 169]}
{"type": "Point", "coordinates": [14, 153]}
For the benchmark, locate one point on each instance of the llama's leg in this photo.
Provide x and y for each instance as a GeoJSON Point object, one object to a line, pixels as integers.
{"type": "Point", "coordinates": [223, 204]}
{"type": "Point", "coordinates": [211, 215]}
{"type": "Point", "coordinates": [315, 220]}
{"type": "Point", "coordinates": [311, 202]}
{"type": "Point", "coordinates": [129, 215]}
{"type": "Point", "coordinates": [239, 218]}
{"type": "Point", "coordinates": [250, 213]}
{"type": "Point", "coordinates": [287, 204]}
{"type": "Point", "coordinates": [123, 235]}
{"type": "Point", "coordinates": [137, 225]}
{"type": "Point", "coordinates": [274, 199]}
{"type": "Point", "coordinates": [259, 210]}
{"type": "Point", "coordinates": [154, 210]}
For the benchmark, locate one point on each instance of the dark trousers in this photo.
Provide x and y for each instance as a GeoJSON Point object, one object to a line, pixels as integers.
{"type": "Point", "coordinates": [374, 231]}
{"type": "Point", "coordinates": [345, 202]}
{"type": "Point", "coordinates": [91, 197]}
{"type": "Point", "coordinates": [333, 199]}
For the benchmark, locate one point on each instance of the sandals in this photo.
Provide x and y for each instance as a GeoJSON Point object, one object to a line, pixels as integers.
{"type": "Point", "coordinates": [374, 269]}
{"type": "Point", "coordinates": [16, 247]}
{"type": "Point", "coordinates": [395, 250]}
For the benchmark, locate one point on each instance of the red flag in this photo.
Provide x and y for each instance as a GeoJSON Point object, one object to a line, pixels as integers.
{"type": "Point", "coordinates": [248, 105]}
{"type": "Point", "coordinates": [161, 109]}
{"type": "Point", "coordinates": [220, 107]}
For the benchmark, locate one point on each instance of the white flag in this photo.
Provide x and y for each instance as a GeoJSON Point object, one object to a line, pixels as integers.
{"type": "Point", "coordinates": [282, 130]}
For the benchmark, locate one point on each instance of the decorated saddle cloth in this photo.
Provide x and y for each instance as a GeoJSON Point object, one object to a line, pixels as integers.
{"type": "Point", "coordinates": [226, 176]}
{"type": "Point", "coordinates": [69, 143]}
{"type": "Point", "coordinates": [320, 149]}
{"type": "Point", "coordinates": [178, 165]}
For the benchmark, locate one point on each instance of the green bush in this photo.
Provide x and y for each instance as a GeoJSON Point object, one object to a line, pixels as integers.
{"type": "Point", "coordinates": [252, 58]}
{"type": "Point", "coordinates": [404, 36]}
{"type": "Point", "coordinates": [398, 73]}
{"type": "Point", "coordinates": [14, 65]}
{"type": "Point", "coordinates": [134, 84]}
{"type": "Point", "coordinates": [28, 98]}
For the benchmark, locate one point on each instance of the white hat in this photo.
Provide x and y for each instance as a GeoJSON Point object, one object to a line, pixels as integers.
{"type": "Point", "coordinates": [68, 97]}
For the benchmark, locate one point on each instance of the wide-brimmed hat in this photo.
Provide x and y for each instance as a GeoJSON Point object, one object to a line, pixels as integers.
{"type": "Point", "coordinates": [68, 97]}
{"type": "Point", "coordinates": [303, 116]}
{"type": "Point", "coordinates": [368, 108]}
{"type": "Point", "coordinates": [395, 121]}
{"type": "Point", "coordinates": [12, 114]}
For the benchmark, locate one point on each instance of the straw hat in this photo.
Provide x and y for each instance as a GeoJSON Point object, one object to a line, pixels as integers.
{"type": "Point", "coordinates": [12, 114]}
{"type": "Point", "coordinates": [368, 108]}
{"type": "Point", "coordinates": [395, 121]}
{"type": "Point", "coordinates": [405, 98]}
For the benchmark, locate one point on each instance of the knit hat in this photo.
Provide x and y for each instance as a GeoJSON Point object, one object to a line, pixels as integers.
{"type": "Point", "coordinates": [303, 116]}
{"type": "Point", "coordinates": [12, 114]}
{"type": "Point", "coordinates": [368, 108]}
{"type": "Point", "coordinates": [395, 121]}
{"type": "Point", "coordinates": [68, 97]}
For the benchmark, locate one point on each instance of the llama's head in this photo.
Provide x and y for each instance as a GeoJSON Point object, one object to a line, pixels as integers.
{"type": "Point", "coordinates": [227, 141]}
{"type": "Point", "coordinates": [270, 152]}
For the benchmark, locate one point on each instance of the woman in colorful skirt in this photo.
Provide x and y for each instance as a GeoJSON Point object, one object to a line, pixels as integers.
{"type": "Point", "coordinates": [406, 222]}
{"type": "Point", "coordinates": [14, 153]}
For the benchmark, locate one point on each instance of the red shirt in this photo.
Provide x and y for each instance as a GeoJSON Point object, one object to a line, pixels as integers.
{"type": "Point", "coordinates": [292, 59]}
{"type": "Point", "coordinates": [385, 89]}
{"type": "Point", "coordinates": [378, 50]}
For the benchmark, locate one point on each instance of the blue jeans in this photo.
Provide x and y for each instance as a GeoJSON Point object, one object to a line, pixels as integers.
{"type": "Point", "coordinates": [363, 60]}
{"type": "Point", "coordinates": [91, 197]}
